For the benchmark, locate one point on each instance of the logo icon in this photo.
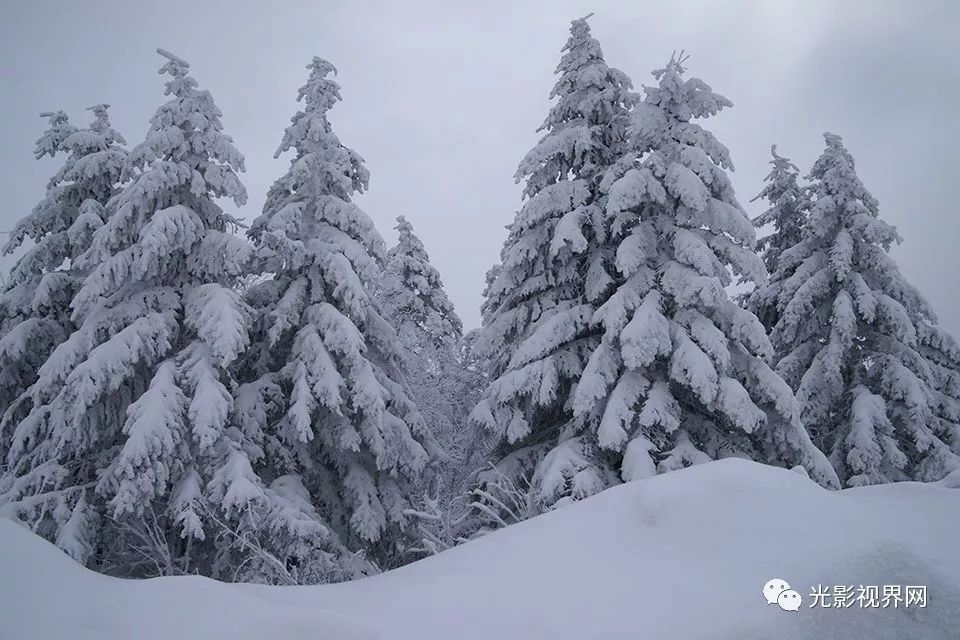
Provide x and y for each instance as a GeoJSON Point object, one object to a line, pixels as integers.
{"type": "Point", "coordinates": [773, 589]}
{"type": "Point", "coordinates": [777, 591]}
{"type": "Point", "coordinates": [789, 600]}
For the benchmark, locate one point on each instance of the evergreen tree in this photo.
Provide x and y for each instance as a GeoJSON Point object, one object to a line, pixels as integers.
{"type": "Point", "coordinates": [35, 303]}
{"type": "Point", "coordinates": [430, 332]}
{"type": "Point", "coordinates": [679, 377]}
{"type": "Point", "coordinates": [413, 295]}
{"type": "Point", "coordinates": [554, 264]}
{"type": "Point", "coordinates": [131, 456]}
{"type": "Point", "coordinates": [326, 401]}
{"type": "Point", "coordinates": [876, 379]}
{"type": "Point", "coordinates": [787, 212]}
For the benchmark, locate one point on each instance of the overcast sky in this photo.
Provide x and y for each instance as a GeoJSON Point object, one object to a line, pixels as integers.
{"type": "Point", "coordinates": [443, 98]}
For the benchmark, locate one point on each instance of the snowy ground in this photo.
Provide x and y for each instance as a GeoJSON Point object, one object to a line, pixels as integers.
{"type": "Point", "coordinates": [683, 555]}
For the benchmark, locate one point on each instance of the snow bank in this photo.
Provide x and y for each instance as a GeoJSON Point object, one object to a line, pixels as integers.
{"type": "Point", "coordinates": [44, 595]}
{"type": "Point", "coordinates": [681, 555]}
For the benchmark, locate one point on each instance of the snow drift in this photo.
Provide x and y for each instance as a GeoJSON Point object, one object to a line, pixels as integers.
{"type": "Point", "coordinates": [681, 555]}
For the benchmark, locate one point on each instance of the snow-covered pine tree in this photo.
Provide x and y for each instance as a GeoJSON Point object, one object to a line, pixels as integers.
{"type": "Point", "coordinates": [413, 295]}
{"type": "Point", "coordinates": [325, 401]}
{"type": "Point", "coordinates": [415, 303]}
{"type": "Point", "coordinates": [18, 359]}
{"type": "Point", "coordinates": [472, 380]}
{"type": "Point", "coordinates": [554, 267]}
{"type": "Point", "coordinates": [679, 376]}
{"type": "Point", "coordinates": [787, 213]}
{"type": "Point", "coordinates": [133, 458]}
{"type": "Point", "coordinates": [876, 379]}
{"type": "Point", "coordinates": [35, 303]}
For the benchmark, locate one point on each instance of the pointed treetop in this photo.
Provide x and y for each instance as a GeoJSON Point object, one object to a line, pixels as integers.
{"type": "Point", "coordinates": [787, 213]}
{"type": "Point", "coordinates": [407, 241]}
{"type": "Point", "coordinates": [323, 166]}
{"type": "Point", "coordinates": [320, 93]}
{"type": "Point", "coordinates": [684, 99]}
{"type": "Point", "coordinates": [593, 99]}
{"type": "Point", "coordinates": [408, 246]}
{"type": "Point", "coordinates": [675, 65]}
{"type": "Point", "coordinates": [322, 66]}
{"type": "Point", "coordinates": [833, 140]}
{"type": "Point", "coordinates": [421, 295]}
{"type": "Point", "coordinates": [55, 117]}
{"type": "Point", "coordinates": [835, 145]}
{"type": "Point", "coordinates": [179, 68]}
{"type": "Point", "coordinates": [100, 112]}
{"type": "Point", "coordinates": [59, 129]}
{"type": "Point", "coordinates": [579, 38]}
{"type": "Point", "coordinates": [580, 51]}
{"type": "Point", "coordinates": [312, 135]}
{"type": "Point", "coordinates": [782, 169]}
{"type": "Point", "coordinates": [199, 144]}
{"type": "Point", "coordinates": [780, 161]}
{"type": "Point", "coordinates": [177, 65]}
{"type": "Point", "coordinates": [835, 175]}
{"type": "Point", "coordinates": [101, 124]}
{"type": "Point", "coordinates": [583, 19]}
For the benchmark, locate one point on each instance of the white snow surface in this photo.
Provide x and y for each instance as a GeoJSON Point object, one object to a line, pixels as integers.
{"type": "Point", "coordinates": [679, 555]}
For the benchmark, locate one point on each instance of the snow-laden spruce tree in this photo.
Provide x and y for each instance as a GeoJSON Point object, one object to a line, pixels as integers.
{"type": "Point", "coordinates": [413, 295]}
{"type": "Point", "coordinates": [877, 381]}
{"type": "Point", "coordinates": [326, 402]}
{"type": "Point", "coordinates": [430, 331]}
{"type": "Point", "coordinates": [35, 304]}
{"type": "Point", "coordinates": [555, 266]}
{"type": "Point", "coordinates": [786, 213]}
{"type": "Point", "coordinates": [18, 358]}
{"type": "Point", "coordinates": [133, 457]}
{"type": "Point", "coordinates": [679, 376]}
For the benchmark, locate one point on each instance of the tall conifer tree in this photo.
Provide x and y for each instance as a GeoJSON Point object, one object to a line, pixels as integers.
{"type": "Point", "coordinates": [35, 303]}
{"type": "Point", "coordinates": [130, 454]}
{"type": "Point", "coordinates": [327, 402]}
{"type": "Point", "coordinates": [878, 382]}
{"type": "Point", "coordinates": [787, 214]}
{"type": "Point", "coordinates": [555, 265]}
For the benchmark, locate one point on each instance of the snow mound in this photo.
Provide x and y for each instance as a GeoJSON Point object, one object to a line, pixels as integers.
{"type": "Point", "coordinates": [44, 595]}
{"type": "Point", "coordinates": [682, 555]}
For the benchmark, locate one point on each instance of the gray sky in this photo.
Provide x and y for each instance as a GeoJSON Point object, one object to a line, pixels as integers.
{"type": "Point", "coordinates": [442, 98]}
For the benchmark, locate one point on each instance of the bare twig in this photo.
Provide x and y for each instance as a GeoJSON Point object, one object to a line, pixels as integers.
{"type": "Point", "coordinates": [252, 545]}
